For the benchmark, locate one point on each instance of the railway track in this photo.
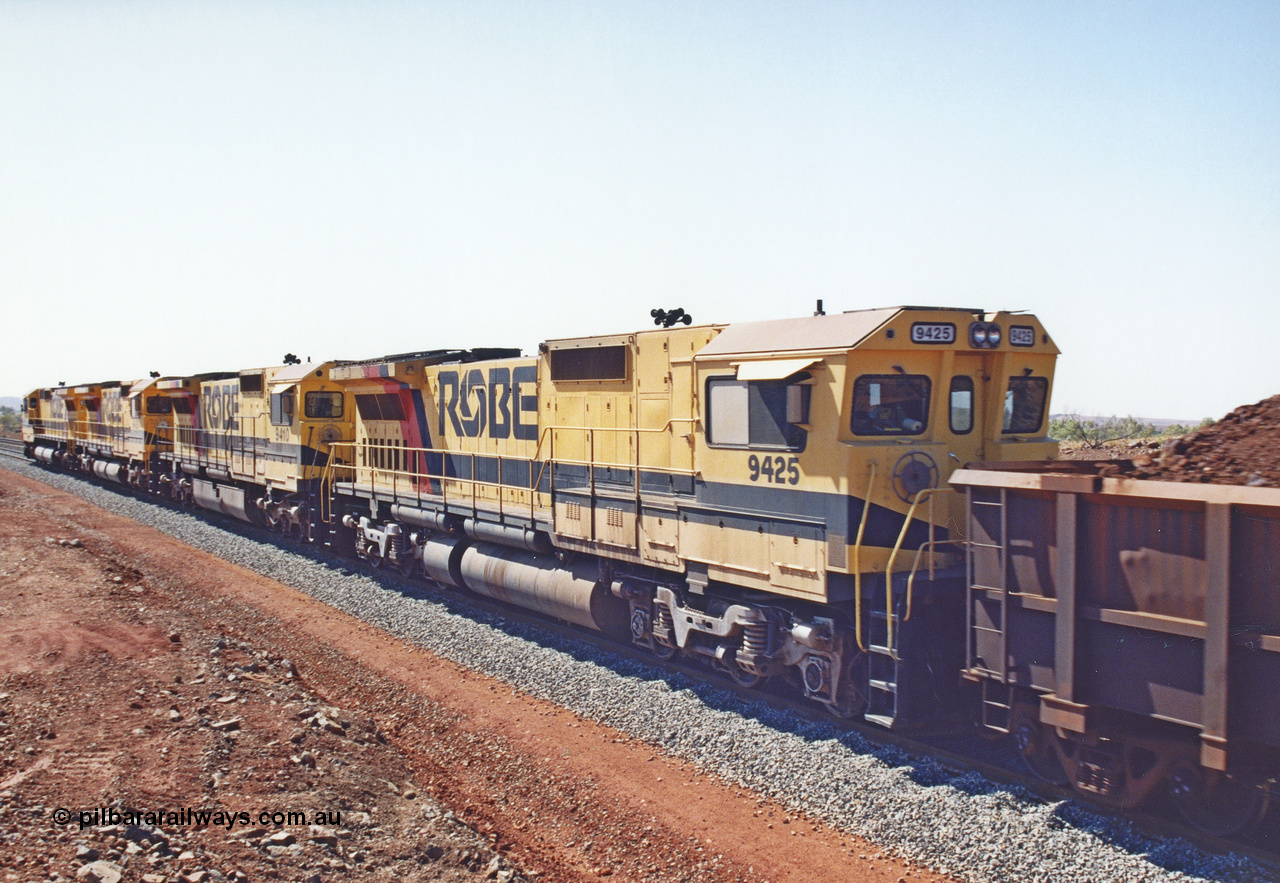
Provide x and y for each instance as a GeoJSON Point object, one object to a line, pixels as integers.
{"type": "Point", "coordinates": [679, 670]}
{"type": "Point", "coordinates": [956, 761]}
{"type": "Point", "coordinates": [11, 447]}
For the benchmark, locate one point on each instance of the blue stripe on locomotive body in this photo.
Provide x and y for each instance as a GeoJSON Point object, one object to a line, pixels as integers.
{"type": "Point", "coordinates": [837, 513]}
{"type": "Point", "coordinates": [420, 416]}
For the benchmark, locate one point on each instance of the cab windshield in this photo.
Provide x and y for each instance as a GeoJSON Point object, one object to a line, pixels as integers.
{"type": "Point", "coordinates": [1024, 404]}
{"type": "Point", "coordinates": [890, 404]}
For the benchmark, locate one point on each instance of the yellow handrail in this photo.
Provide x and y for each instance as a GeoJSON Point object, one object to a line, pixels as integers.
{"type": "Point", "coordinates": [547, 430]}
{"type": "Point", "coordinates": [857, 562]}
{"type": "Point", "coordinates": [471, 486]}
{"type": "Point", "coordinates": [888, 573]}
{"type": "Point", "coordinates": [897, 546]}
{"type": "Point", "coordinates": [473, 454]}
{"type": "Point", "coordinates": [545, 440]}
{"type": "Point", "coordinates": [915, 566]}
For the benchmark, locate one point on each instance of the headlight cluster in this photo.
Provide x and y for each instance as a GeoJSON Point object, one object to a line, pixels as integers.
{"type": "Point", "coordinates": [984, 335]}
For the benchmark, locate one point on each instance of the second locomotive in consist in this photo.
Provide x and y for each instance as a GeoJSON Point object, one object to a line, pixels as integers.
{"type": "Point", "coordinates": [772, 497]}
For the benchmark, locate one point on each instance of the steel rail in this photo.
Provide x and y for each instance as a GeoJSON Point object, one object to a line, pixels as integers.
{"type": "Point", "coordinates": [12, 447]}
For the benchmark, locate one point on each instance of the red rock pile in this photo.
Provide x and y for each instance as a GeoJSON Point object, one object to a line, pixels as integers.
{"type": "Point", "coordinates": [1241, 448]}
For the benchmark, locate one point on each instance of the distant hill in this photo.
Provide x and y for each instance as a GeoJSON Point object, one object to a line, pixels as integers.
{"type": "Point", "coordinates": [11, 402]}
{"type": "Point", "coordinates": [1158, 422]}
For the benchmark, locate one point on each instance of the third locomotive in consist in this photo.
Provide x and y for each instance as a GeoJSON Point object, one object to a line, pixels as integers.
{"type": "Point", "coordinates": [784, 500]}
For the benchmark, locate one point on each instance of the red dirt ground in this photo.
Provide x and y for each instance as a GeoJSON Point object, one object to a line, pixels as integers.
{"type": "Point", "coordinates": [139, 674]}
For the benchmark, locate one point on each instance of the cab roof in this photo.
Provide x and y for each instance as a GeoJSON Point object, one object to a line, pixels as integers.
{"type": "Point", "coordinates": [808, 334]}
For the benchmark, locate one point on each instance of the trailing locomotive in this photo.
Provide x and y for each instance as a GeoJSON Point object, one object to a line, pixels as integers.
{"type": "Point", "coordinates": [771, 497]}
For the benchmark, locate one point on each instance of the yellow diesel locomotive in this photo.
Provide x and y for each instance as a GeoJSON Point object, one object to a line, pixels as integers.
{"type": "Point", "coordinates": [770, 496]}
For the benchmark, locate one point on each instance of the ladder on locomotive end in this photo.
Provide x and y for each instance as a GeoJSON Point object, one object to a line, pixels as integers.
{"type": "Point", "coordinates": [889, 608]}
{"type": "Point", "coordinates": [883, 661]}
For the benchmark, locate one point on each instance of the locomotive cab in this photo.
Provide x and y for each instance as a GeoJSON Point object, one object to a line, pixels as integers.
{"type": "Point", "coordinates": [146, 417]}
{"type": "Point", "coordinates": [252, 444]}
{"type": "Point", "coordinates": [821, 458]}
{"type": "Point", "coordinates": [43, 434]}
{"type": "Point", "coordinates": [838, 429]}
{"type": "Point", "coordinates": [67, 430]}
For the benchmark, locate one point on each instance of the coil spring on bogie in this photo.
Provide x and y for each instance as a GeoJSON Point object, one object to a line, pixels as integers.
{"type": "Point", "coordinates": [663, 625]}
{"type": "Point", "coordinates": [755, 639]}
{"type": "Point", "coordinates": [393, 547]}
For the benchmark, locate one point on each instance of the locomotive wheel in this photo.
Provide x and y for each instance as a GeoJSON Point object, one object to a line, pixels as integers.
{"type": "Point", "coordinates": [1221, 807]}
{"type": "Point", "coordinates": [663, 652]}
{"type": "Point", "coordinates": [840, 712]}
{"type": "Point", "coordinates": [408, 567]}
{"type": "Point", "coordinates": [1035, 746]}
{"type": "Point", "coordinates": [851, 701]}
{"type": "Point", "coordinates": [740, 675]}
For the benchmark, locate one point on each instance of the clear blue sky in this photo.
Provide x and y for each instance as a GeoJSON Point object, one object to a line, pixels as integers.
{"type": "Point", "coordinates": [199, 186]}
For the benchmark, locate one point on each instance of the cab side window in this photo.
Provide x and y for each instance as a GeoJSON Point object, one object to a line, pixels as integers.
{"type": "Point", "coordinates": [323, 405]}
{"type": "Point", "coordinates": [890, 404]}
{"type": "Point", "coordinates": [961, 405]}
{"type": "Point", "coordinates": [282, 408]}
{"type": "Point", "coordinates": [764, 414]}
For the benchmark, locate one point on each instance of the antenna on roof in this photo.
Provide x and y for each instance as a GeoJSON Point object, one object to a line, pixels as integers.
{"type": "Point", "coordinates": [819, 311]}
{"type": "Point", "coordinates": [291, 359]}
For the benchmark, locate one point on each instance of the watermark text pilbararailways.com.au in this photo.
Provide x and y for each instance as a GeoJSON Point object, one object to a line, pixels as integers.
{"type": "Point", "coordinates": [195, 817]}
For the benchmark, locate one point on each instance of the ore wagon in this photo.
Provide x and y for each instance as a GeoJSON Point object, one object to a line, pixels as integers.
{"type": "Point", "coordinates": [1127, 633]}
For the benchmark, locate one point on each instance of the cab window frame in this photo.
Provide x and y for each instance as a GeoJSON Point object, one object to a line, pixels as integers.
{"type": "Point", "coordinates": [1014, 399]}
{"type": "Point", "coordinates": [283, 406]}
{"type": "Point", "coordinates": [958, 384]}
{"type": "Point", "coordinates": [310, 405]}
{"type": "Point", "coordinates": [870, 424]}
{"type": "Point", "coordinates": [770, 405]}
